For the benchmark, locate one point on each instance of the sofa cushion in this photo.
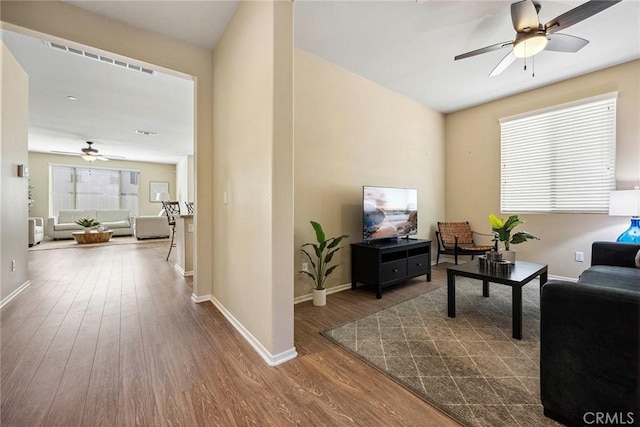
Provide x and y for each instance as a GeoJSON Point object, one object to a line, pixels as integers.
{"type": "Point", "coordinates": [612, 277]}
{"type": "Point", "coordinates": [114, 215]}
{"type": "Point", "coordinates": [116, 224]}
{"type": "Point", "coordinates": [71, 216]}
{"type": "Point", "coordinates": [68, 226]}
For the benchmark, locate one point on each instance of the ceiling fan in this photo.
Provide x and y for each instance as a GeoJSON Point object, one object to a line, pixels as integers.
{"type": "Point", "coordinates": [88, 153]}
{"type": "Point", "coordinates": [532, 37]}
{"type": "Point", "coordinates": [91, 154]}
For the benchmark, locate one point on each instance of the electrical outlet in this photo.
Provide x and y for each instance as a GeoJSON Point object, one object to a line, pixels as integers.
{"type": "Point", "coordinates": [13, 265]}
{"type": "Point", "coordinates": [579, 256]}
{"type": "Point", "coordinates": [191, 228]}
{"type": "Point", "coordinates": [305, 266]}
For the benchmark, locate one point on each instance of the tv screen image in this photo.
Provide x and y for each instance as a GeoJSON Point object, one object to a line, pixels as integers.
{"type": "Point", "coordinates": [389, 212]}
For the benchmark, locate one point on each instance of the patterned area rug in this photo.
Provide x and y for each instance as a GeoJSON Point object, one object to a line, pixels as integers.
{"type": "Point", "coordinates": [469, 366]}
{"type": "Point", "coordinates": [70, 243]}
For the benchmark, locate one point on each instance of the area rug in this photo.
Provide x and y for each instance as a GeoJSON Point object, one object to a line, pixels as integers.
{"type": "Point", "coordinates": [468, 366]}
{"type": "Point", "coordinates": [70, 243]}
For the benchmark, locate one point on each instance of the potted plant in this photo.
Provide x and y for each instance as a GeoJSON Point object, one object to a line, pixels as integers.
{"type": "Point", "coordinates": [30, 196]}
{"type": "Point", "coordinates": [87, 223]}
{"type": "Point", "coordinates": [503, 230]}
{"type": "Point", "coordinates": [323, 252]}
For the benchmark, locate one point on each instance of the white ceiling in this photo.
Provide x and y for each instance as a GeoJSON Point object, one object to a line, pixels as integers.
{"type": "Point", "coordinates": [409, 46]}
{"type": "Point", "coordinates": [406, 46]}
{"type": "Point", "coordinates": [112, 103]}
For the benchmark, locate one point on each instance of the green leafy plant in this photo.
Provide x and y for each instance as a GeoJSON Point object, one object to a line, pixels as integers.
{"type": "Point", "coordinates": [87, 222]}
{"type": "Point", "coordinates": [323, 252]}
{"type": "Point", "coordinates": [30, 188]}
{"type": "Point", "coordinates": [503, 230]}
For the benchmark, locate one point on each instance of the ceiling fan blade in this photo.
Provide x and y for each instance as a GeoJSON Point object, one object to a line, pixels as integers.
{"type": "Point", "coordinates": [504, 64]}
{"type": "Point", "coordinates": [103, 158]}
{"type": "Point", "coordinates": [491, 48]}
{"type": "Point", "coordinates": [578, 14]}
{"type": "Point", "coordinates": [565, 43]}
{"type": "Point", "coordinates": [524, 16]}
{"type": "Point", "coordinates": [66, 153]}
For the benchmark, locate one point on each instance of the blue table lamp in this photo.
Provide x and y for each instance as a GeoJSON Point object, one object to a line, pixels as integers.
{"type": "Point", "coordinates": [627, 203]}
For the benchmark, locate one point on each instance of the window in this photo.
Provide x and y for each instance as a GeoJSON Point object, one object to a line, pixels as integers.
{"type": "Point", "coordinates": [561, 159]}
{"type": "Point", "coordinates": [93, 188]}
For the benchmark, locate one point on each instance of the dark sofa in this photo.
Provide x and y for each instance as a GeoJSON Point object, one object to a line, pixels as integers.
{"type": "Point", "coordinates": [589, 355]}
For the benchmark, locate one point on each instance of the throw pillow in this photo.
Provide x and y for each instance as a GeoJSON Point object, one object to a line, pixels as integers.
{"type": "Point", "coordinates": [638, 259]}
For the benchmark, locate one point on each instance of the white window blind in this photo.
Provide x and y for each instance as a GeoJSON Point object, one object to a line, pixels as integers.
{"type": "Point", "coordinates": [560, 159]}
{"type": "Point", "coordinates": [93, 188]}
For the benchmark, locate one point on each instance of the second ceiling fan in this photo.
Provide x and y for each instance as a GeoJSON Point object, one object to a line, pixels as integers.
{"type": "Point", "coordinates": [91, 154]}
{"type": "Point", "coordinates": [532, 37]}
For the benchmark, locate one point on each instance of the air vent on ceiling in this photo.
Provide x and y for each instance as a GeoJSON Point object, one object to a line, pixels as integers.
{"type": "Point", "coordinates": [97, 57]}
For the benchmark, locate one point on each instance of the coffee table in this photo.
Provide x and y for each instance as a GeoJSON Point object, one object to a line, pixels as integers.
{"type": "Point", "coordinates": [92, 237]}
{"type": "Point", "coordinates": [521, 274]}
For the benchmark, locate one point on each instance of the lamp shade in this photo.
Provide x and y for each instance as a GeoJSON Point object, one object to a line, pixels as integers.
{"type": "Point", "coordinates": [162, 197]}
{"type": "Point", "coordinates": [625, 202]}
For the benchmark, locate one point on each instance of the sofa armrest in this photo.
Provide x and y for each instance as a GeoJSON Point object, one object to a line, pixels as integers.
{"type": "Point", "coordinates": [38, 222]}
{"type": "Point", "coordinates": [588, 350]}
{"type": "Point", "coordinates": [32, 229]}
{"type": "Point", "coordinates": [614, 253]}
{"type": "Point", "coordinates": [51, 222]}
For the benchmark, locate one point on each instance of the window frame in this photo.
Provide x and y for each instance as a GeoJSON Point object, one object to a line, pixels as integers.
{"type": "Point", "coordinates": [74, 172]}
{"type": "Point", "coordinates": [563, 133]}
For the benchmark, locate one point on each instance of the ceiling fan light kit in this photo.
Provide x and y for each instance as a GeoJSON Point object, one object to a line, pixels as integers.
{"type": "Point", "coordinates": [530, 45]}
{"type": "Point", "coordinates": [90, 154]}
{"type": "Point", "coordinates": [532, 37]}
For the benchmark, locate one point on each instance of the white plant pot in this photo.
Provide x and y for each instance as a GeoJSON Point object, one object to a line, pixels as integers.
{"type": "Point", "coordinates": [509, 256]}
{"type": "Point", "coordinates": [319, 297]}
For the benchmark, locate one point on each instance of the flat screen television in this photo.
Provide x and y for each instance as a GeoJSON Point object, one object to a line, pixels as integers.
{"type": "Point", "coordinates": [389, 212]}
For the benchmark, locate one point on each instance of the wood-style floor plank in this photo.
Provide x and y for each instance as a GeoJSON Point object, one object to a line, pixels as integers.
{"type": "Point", "coordinates": [108, 336]}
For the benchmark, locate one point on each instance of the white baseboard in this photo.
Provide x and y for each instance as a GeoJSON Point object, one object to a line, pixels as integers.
{"type": "Point", "coordinates": [270, 359]}
{"type": "Point", "coordinates": [15, 293]}
{"type": "Point", "coordinates": [181, 271]}
{"type": "Point", "coordinates": [200, 298]}
{"type": "Point", "coordinates": [332, 290]}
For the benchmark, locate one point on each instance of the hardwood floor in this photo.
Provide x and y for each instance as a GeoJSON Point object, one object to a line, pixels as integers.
{"type": "Point", "coordinates": [108, 336]}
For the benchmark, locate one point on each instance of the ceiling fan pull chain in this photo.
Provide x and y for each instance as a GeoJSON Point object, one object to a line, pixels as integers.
{"type": "Point", "coordinates": [533, 66]}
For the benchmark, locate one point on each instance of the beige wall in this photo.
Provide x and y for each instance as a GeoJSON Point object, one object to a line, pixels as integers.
{"type": "Point", "coordinates": [473, 167]}
{"type": "Point", "coordinates": [14, 114]}
{"type": "Point", "coordinates": [77, 25]}
{"type": "Point", "coordinates": [184, 181]}
{"type": "Point", "coordinates": [39, 178]}
{"type": "Point", "coordinates": [253, 231]}
{"type": "Point", "coordinates": [351, 132]}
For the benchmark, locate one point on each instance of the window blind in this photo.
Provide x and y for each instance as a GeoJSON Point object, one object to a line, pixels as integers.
{"type": "Point", "coordinates": [93, 188]}
{"type": "Point", "coordinates": [561, 159]}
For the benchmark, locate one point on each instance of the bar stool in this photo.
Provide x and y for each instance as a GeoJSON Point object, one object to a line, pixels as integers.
{"type": "Point", "coordinates": [189, 207]}
{"type": "Point", "coordinates": [172, 209]}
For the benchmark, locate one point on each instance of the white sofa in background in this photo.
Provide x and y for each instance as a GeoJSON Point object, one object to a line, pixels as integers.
{"type": "Point", "coordinates": [118, 220]}
{"type": "Point", "coordinates": [36, 230]}
{"type": "Point", "coordinates": [148, 227]}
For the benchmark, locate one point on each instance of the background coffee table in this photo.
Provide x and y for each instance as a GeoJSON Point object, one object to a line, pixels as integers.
{"type": "Point", "coordinates": [92, 237]}
{"type": "Point", "coordinates": [521, 274]}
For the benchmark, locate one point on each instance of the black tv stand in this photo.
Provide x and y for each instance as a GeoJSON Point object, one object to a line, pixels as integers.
{"type": "Point", "coordinates": [384, 263]}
